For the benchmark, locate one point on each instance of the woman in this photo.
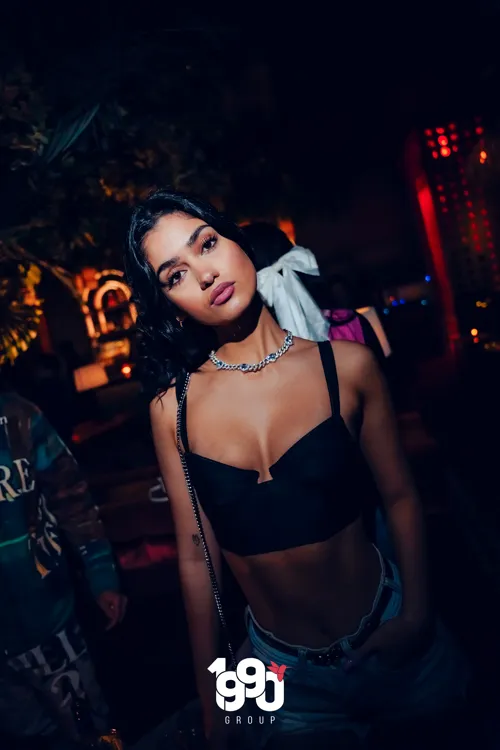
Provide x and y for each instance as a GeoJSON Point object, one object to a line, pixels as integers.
{"type": "Point", "coordinates": [275, 454]}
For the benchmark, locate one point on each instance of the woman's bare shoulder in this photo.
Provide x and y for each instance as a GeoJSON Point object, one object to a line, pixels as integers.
{"type": "Point", "coordinates": [354, 361]}
{"type": "Point", "coordinates": [163, 409]}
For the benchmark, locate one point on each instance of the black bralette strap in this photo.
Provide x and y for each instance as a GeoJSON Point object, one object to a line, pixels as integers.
{"type": "Point", "coordinates": [332, 381]}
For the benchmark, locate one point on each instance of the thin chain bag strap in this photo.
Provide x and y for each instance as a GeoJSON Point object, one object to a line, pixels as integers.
{"type": "Point", "coordinates": [196, 511]}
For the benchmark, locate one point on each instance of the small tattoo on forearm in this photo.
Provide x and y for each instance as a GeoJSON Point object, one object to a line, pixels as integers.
{"type": "Point", "coordinates": [196, 539]}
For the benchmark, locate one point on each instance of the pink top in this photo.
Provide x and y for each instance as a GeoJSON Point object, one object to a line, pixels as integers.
{"type": "Point", "coordinates": [351, 330]}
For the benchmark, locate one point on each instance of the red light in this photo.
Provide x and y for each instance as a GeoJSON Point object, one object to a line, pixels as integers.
{"type": "Point", "coordinates": [488, 234]}
{"type": "Point", "coordinates": [455, 148]}
{"type": "Point", "coordinates": [435, 155]}
{"type": "Point", "coordinates": [473, 225]}
{"type": "Point", "coordinates": [440, 188]}
{"type": "Point", "coordinates": [428, 131]}
{"type": "Point", "coordinates": [442, 198]}
{"type": "Point", "coordinates": [472, 215]}
{"type": "Point", "coordinates": [444, 210]}
{"type": "Point", "coordinates": [490, 245]}
{"type": "Point", "coordinates": [454, 137]}
{"type": "Point", "coordinates": [439, 130]}
{"type": "Point", "coordinates": [466, 192]}
{"type": "Point", "coordinates": [484, 212]}
{"type": "Point", "coordinates": [445, 151]}
{"type": "Point", "coordinates": [452, 126]}
{"type": "Point", "coordinates": [431, 144]}
{"type": "Point", "coordinates": [469, 204]}
{"type": "Point", "coordinates": [443, 140]}
{"type": "Point", "coordinates": [475, 237]}
{"type": "Point", "coordinates": [479, 131]}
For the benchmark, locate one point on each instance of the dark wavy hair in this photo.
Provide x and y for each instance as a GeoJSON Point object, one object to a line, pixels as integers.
{"type": "Point", "coordinates": [269, 244]}
{"type": "Point", "coordinates": [167, 349]}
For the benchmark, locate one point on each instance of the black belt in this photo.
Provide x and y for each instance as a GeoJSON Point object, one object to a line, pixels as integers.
{"type": "Point", "coordinates": [335, 653]}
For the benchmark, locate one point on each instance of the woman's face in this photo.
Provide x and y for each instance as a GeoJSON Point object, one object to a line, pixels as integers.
{"type": "Point", "coordinates": [208, 277]}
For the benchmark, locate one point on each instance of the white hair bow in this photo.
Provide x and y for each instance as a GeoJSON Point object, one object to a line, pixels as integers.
{"type": "Point", "coordinates": [280, 288]}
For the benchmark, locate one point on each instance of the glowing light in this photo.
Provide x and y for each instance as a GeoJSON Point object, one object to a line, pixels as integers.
{"type": "Point", "coordinates": [126, 370]}
{"type": "Point", "coordinates": [440, 188]}
{"type": "Point", "coordinates": [454, 148]}
{"type": "Point", "coordinates": [427, 278]}
{"type": "Point", "coordinates": [428, 131]}
{"type": "Point", "coordinates": [474, 331]}
{"type": "Point", "coordinates": [431, 144]}
{"type": "Point", "coordinates": [483, 155]}
{"type": "Point", "coordinates": [439, 130]}
{"type": "Point", "coordinates": [479, 131]}
{"type": "Point", "coordinates": [454, 137]}
{"type": "Point", "coordinates": [394, 302]}
{"type": "Point", "coordinates": [476, 340]}
{"type": "Point", "coordinates": [286, 226]}
{"type": "Point", "coordinates": [401, 301]}
{"type": "Point", "coordinates": [386, 311]}
{"type": "Point", "coordinates": [435, 155]}
{"type": "Point", "coordinates": [445, 151]}
{"type": "Point", "coordinates": [423, 302]}
{"type": "Point", "coordinates": [427, 209]}
{"type": "Point", "coordinates": [443, 140]}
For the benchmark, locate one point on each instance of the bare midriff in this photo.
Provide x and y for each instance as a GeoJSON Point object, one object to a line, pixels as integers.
{"type": "Point", "coordinates": [315, 594]}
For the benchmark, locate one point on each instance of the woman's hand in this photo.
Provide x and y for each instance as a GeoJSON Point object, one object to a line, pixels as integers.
{"type": "Point", "coordinates": [396, 641]}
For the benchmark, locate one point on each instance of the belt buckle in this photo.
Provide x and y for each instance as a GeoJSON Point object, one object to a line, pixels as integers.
{"type": "Point", "coordinates": [330, 657]}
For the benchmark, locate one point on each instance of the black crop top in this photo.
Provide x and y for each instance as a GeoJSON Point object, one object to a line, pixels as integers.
{"type": "Point", "coordinates": [317, 486]}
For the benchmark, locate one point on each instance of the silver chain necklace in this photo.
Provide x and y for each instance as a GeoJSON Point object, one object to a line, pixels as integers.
{"type": "Point", "coordinates": [220, 365]}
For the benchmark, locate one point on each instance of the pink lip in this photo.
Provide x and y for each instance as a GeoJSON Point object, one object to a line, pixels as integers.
{"type": "Point", "coordinates": [222, 293]}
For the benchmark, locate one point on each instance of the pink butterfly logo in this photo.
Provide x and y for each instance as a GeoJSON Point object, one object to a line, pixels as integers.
{"type": "Point", "coordinates": [278, 671]}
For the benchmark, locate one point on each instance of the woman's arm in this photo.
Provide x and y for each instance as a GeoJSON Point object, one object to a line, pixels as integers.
{"type": "Point", "coordinates": [195, 581]}
{"type": "Point", "coordinates": [381, 446]}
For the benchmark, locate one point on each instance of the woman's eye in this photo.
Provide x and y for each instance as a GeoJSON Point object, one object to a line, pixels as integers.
{"type": "Point", "coordinates": [208, 244]}
{"type": "Point", "coordinates": [175, 278]}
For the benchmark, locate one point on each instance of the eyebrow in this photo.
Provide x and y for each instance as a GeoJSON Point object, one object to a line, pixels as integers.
{"type": "Point", "coordinates": [173, 261]}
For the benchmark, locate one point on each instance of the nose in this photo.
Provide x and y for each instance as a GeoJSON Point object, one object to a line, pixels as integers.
{"type": "Point", "coordinates": [207, 278]}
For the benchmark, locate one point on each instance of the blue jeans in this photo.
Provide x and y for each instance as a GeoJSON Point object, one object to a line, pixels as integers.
{"type": "Point", "coordinates": [328, 698]}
